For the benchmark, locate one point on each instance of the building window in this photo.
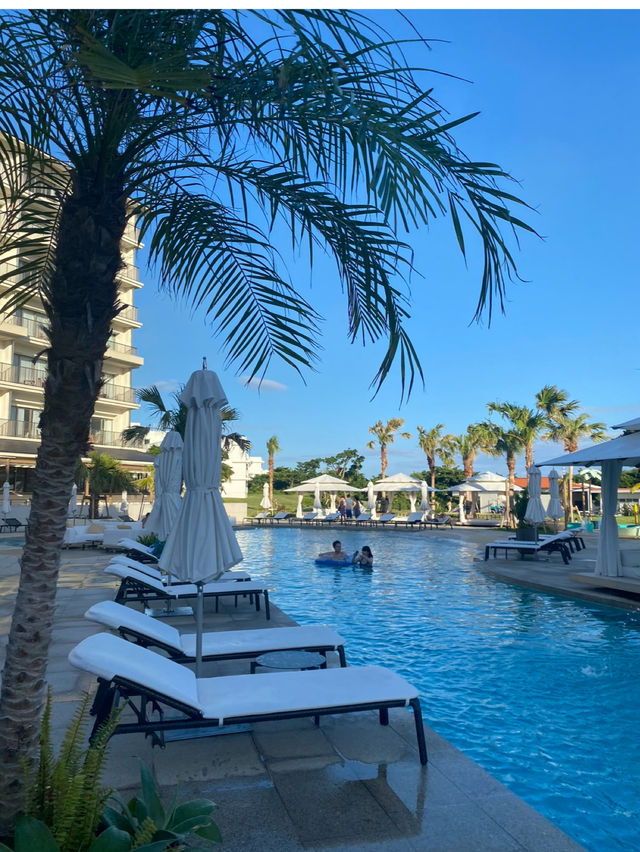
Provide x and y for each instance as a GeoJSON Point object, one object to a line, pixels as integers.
{"type": "Point", "coordinates": [25, 421]}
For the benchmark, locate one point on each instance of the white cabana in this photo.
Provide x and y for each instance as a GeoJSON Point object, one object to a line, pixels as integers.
{"type": "Point", "coordinates": [325, 483]}
{"type": "Point", "coordinates": [611, 456]}
{"type": "Point", "coordinates": [461, 490]}
{"type": "Point", "coordinates": [400, 483]}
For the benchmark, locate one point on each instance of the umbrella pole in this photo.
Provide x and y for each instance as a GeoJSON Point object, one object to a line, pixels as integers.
{"type": "Point", "coordinates": [199, 620]}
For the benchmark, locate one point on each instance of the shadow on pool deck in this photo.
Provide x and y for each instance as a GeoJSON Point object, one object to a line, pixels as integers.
{"type": "Point", "coordinates": [289, 786]}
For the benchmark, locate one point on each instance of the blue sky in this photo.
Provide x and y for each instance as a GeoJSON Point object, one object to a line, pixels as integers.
{"type": "Point", "coordinates": [557, 95]}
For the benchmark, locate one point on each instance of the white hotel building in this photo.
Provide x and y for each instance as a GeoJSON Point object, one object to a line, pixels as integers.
{"type": "Point", "coordinates": [22, 381]}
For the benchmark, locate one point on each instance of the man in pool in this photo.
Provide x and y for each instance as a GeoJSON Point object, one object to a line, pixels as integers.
{"type": "Point", "coordinates": [337, 554]}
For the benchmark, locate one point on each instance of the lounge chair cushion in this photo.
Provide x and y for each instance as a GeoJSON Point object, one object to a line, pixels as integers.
{"type": "Point", "coordinates": [215, 643]}
{"type": "Point", "coordinates": [221, 698]}
{"type": "Point", "coordinates": [182, 589]}
{"type": "Point", "coordinates": [107, 656]}
{"type": "Point", "coordinates": [95, 528]}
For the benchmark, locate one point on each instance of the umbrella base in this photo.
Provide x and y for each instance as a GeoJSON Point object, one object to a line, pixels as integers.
{"type": "Point", "coordinates": [168, 613]}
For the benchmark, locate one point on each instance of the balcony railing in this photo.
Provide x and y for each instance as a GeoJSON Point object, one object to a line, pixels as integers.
{"type": "Point", "coordinates": [121, 347]}
{"type": "Point", "coordinates": [34, 328]}
{"type": "Point", "coordinates": [129, 313]}
{"type": "Point", "coordinates": [26, 429]}
{"type": "Point", "coordinates": [19, 429]}
{"type": "Point", "coordinates": [118, 394]}
{"type": "Point", "coordinates": [36, 377]}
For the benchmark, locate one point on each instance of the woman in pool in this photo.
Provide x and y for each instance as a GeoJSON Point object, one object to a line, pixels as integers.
{"type": "Point", "coordinates": [363, 558]}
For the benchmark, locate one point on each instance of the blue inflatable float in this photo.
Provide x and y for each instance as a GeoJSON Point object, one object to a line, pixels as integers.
{"type": "Point", "coordinates": [333, 561]}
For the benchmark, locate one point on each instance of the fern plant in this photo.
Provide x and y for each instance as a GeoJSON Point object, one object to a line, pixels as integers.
{"type": "Point", "coordinates": [66, 793]}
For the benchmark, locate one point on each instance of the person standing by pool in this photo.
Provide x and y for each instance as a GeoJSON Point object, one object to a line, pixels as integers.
{"type": "Point", "coordinates": [342, 508]}
{"type": "Point", "coordinates": [363, 557]}
{"type": "Point", "coordinates": [349, 505]}
{"type": "Point", "coordinates": [336, 555]}
{"type": "Point", "coordinates": [357, 508]}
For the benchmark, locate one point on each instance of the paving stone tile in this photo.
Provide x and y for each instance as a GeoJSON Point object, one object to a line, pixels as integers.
{"type": "Point", "coordinates": [202, 759]}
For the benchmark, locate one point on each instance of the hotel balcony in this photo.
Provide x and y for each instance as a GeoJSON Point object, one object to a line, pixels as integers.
{"type": "Point", "coordinates": [24, 429]}
{"type": "Point", "coordinates": [33, 378]}
{"type": "Point", "coordinates": [128, 316]}
{"type": "Point", "coordinates": [122, 353]}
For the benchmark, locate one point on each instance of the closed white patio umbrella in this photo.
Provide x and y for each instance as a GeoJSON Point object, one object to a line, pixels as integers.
{"type": "Point", "coordinates": [73, 508]}
{"type": "Point", "coordinates": [371, 500]}
{"type": "Point", "coordinates": [317, 504]}
{"type": "Point", "coordinates": [535, 512]}
{"type": "Point", "coordinates": [265, 503]}
{"type": "Point", "coordinates": [168, 483]}
{"type": "Point", "coordinates": [6, 500]}
{"type": "Point", "coordinates": [202, 545]}
{"type": "Point", "coordinates": [554, 509]}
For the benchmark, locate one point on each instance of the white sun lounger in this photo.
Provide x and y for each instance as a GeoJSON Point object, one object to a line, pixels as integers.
{"type": "Point", "coordinates": [153, 571]}
{"type": "Point", "coordinates": [135, 674]}
{"type": "Point", "coordinates": [217, 645]}
{"type": "Point", "coordinates": [522, 547]}
{"type": "Point", "coordinates": [136, 586]}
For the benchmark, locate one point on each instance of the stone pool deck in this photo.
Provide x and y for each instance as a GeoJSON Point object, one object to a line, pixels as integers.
{"type": "Point", "coordinates": [349, 784]}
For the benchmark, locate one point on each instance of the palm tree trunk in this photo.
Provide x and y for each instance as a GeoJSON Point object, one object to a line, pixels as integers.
{"type": "Point", "coordinates": [271, 480]}
{"type": "Point", "coordinates": [383, 460]}
{"type": "Point", "coordinates": [80, 304]}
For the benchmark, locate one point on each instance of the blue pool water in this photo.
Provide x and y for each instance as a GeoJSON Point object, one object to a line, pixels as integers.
{"type": "Point", "coordinates": [541, 690]}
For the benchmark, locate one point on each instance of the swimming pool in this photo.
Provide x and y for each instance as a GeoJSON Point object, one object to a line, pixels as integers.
{"type": "Point", "coordinates": [540, 690]}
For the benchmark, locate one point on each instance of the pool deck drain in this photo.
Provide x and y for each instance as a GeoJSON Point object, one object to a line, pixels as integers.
{"type": "Point", "coordinates": [349, 784]}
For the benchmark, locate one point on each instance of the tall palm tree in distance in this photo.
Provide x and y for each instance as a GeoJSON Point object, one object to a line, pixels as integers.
{"type": "Point", "coordinates": [433, 443]}
{"type": "Point", "coordinates": [475, 440]}
{"type": "Point", "coordinates": [273, 447]}
{"type": "Point", "coordinates": [523, 422]}
{"type": "Point", "coordinates": [570, 431]}
{"type": "Point", "coordinates": [196, 122]}
{"type": "Point", "coordinates": [386, 434]}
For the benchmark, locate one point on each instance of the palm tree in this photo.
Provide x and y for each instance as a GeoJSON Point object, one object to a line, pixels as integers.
{"type": "Point", "coordinates": [476, 439]}
{"type": "Point", "coordinates": [570, 431]}
{"type": "Point", "coordinates": [104, 475]}
{"type": "Point", "coordinates": [385, 434]}
{"type": "Point", "coordinates": [554, 402]}
{"type": "Point", "coordinates": [273, 447]}
{"type": "Point", "coordinates": [433, 443]}
{"type": "Point", "coordinates": [524, 422]}
{"type": "Point", "coordinates": [187, 123]}
{"type": "Point", "coordinates": [176, 418]}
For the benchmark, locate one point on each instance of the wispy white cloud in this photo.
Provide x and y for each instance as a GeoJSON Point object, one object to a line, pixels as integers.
{"type": "Point", "coordinates": [169, 386]}
{"type": "Point", "coordinates": [267, 385]}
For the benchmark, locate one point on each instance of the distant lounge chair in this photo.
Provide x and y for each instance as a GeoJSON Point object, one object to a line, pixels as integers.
{"type": "Point", "coordinates": [439, 521]}
{"type": "Point", "coordinates": [141, 587]}
{"type": "Point", "coordinates": [280, 516]}
{"type": "Point", "coordinates": [153, 571]}
{"type": "Point", "coordinates": [330, 518]}
{"type": "Point", "coordinates": [308, 517]}
{"type": "Point", "coordinates": [386, 518]}
{"type": "Point", "coordinates": [414, 520]}
{"type": "Point", "coordinates": [216, 645]}
{"type": "Point", "coordinates": [363, 518]}
{"type": "Point", "coordinates": [523, 547]}
{"type": "Point", "coordinates": [150, 683]}
{"type": "Point", "coordinates": [259, 518]}
{"type": "Point", "coordinates": [11, 525]}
